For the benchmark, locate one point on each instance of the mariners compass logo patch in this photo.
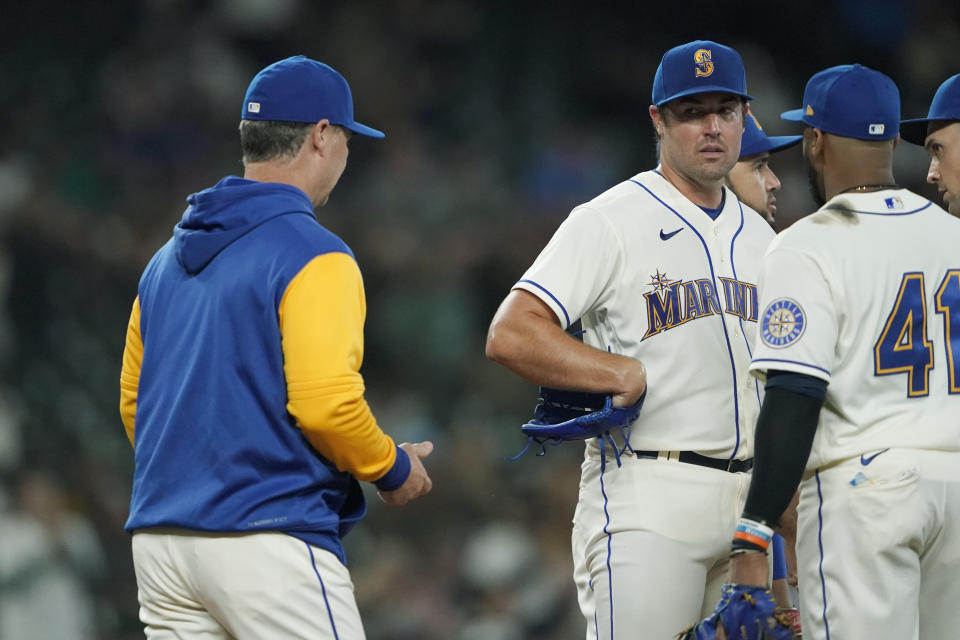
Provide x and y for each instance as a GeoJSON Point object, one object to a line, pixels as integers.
{"type": "Point", "coordinates": [783, 322]}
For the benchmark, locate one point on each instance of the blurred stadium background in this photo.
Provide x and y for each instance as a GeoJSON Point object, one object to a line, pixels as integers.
{"type": "Point", "coordinates": [500, 117]}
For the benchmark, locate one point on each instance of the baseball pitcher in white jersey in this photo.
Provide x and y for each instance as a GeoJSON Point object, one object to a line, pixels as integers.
{"type": "Point", "coordinates": [661, 270]}
{"type": "Point", "coordinates": [859, 345]}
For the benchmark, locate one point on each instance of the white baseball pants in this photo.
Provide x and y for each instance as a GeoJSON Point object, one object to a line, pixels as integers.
{"type": "Point", "coordinates": [651, 544]}
{"type": "Point", "coordinates": [194, 585]}
{"type": "Point", "coordinates": [879, 547]}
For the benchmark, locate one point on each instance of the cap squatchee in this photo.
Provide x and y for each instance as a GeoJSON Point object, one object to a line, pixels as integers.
{"type": "Point", "coordinates": [299, 89]}
{"type": "Point", "coordinates": [852, 101]}
{"type": "Point", "coordinates": [701, 66]}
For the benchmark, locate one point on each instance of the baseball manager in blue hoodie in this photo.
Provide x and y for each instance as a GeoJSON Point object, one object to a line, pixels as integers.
{"type": "Point", "coordinates": [241, 389]}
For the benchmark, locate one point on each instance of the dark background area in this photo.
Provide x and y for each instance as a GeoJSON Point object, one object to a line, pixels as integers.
{"type": "Point", "coordinates": [500, 117]}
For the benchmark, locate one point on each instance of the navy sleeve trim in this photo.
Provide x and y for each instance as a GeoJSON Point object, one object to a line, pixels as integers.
{"type": "Point", "coordinates": [805, 364]}
{"type": "Point", "coordinates": [552, 297]}
{"type": "Point", "coordinates": [397, 475]}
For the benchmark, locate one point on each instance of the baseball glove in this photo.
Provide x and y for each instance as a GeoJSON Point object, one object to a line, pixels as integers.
{"type": "Point", "coordinates": [745, 613]}
{"type": "Point", "coordinates": [562, 415]}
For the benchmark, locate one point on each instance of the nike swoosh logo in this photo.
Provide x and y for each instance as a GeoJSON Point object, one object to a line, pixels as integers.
{"type": "Point", "coordinates": [667, 236]}
{"type": "Point", "coordinates": [866, 461]}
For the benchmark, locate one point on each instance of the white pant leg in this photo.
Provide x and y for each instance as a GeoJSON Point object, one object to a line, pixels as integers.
{"type": "Point", "coordinates": [653, 534]}
{"type": "Point", "coordinates": [581, 578]}
{"type": "Point", "coordinates": [169, 606]}
{"type": "Point", "coordinates": [645, 585]}
{"type": "Point", "coordinates": [253, 586]}
{"type": "Point", "coordinates": [861, 531]}
{"type": "Point", "coordinates": [940, 560]}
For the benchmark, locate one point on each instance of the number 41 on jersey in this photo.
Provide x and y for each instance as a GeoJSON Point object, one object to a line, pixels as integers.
{"type": "Point", "coordinates": [903, 345]}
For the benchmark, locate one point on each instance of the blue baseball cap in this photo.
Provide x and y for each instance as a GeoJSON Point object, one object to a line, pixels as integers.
{"type": "Point", "coordinates": [701, 66]}
{"type": "Point", "coordinates": [299, 89]}
{"type": "Point", "coordinates": [852, 101]}
{"type": "Point", "coordinates": [945, 106]}
{"type": "Point", "coordinates": [755, 140]}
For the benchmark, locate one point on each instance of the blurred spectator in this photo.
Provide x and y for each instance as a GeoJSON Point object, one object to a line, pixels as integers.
{"type": "Point", "coordinates": [50, 562]}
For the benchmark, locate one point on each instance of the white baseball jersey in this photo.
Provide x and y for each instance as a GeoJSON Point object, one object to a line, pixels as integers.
{"type": "Point", "coordinates": [652, 277]}
{"type": "Point", "coordinates": [865, 294]}
{"type": "Point", "coordinates": [869, 300]}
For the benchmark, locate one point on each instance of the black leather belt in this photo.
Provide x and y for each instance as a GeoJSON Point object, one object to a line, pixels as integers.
{"type": "Point", "coordinates": [733, 466]}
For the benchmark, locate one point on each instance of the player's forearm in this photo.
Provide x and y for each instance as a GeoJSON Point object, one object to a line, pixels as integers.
{"type": "Point", "coordinates": [749, 568]}
{"type": "Point", "coordinates": [525, 338]}
{"type": "Point", "coordinates": [784, 437]}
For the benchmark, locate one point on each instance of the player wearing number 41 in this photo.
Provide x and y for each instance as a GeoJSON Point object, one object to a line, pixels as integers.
{"type": "Point", "coordinates": [661, 270]}
{"type": "Point", "coordinates": [860, 350]}
{"type": "Point", "coordinates": [939, 132]}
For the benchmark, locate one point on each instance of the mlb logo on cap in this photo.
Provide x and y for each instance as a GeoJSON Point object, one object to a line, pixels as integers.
{"type": "Point", "coordinates": [852, 101]}
{"type": "Point", "coordinates": [298, 89]}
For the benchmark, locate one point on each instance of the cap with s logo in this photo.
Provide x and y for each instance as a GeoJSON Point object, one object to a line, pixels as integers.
{"type": "Point", "coordinates": [701, 66]}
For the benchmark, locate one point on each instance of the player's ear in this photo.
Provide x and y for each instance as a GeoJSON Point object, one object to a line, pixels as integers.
{"type": "Point", "coordinates": [657, 119]}
{"type": "Point", "coordinates": [814, 143]}
{"type": "Point", "coordinates": [320, 135]}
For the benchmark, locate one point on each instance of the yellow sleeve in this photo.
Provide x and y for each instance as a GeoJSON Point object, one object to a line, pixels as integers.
{"type": "Point", "coordinates": [130, 370]}
{"type": "Point", "coordinates": [321, 320]}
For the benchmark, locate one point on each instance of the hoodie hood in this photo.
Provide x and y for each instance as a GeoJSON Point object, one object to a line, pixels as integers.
{"type": "Point", "coordinates": [226, 211]}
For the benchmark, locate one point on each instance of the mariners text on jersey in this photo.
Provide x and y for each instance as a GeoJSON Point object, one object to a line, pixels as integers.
{"type": "Point", "coordinates": [672, 303]}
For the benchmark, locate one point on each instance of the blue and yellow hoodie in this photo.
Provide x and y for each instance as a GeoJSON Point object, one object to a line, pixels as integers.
{"type": "Point", "coordinates": [240, 387]}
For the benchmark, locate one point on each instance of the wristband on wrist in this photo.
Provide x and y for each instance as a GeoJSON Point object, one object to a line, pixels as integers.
{"type": "Point", "coordinates": [752, 535]}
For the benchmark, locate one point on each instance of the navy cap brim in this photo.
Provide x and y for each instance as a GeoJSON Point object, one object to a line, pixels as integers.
{"type": "Point", "coordinates": [364, 130]}
{"type": "Point", "coordinates": [794, 115]}
{"type": "Point", "coordinates": [783, 142]}
{"type": "Point", "coordinates": [770, 144]}
{"type": "Point", "coordinates": [704, 89]}
{"type": "Point", "coordinates": [915, 130]}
